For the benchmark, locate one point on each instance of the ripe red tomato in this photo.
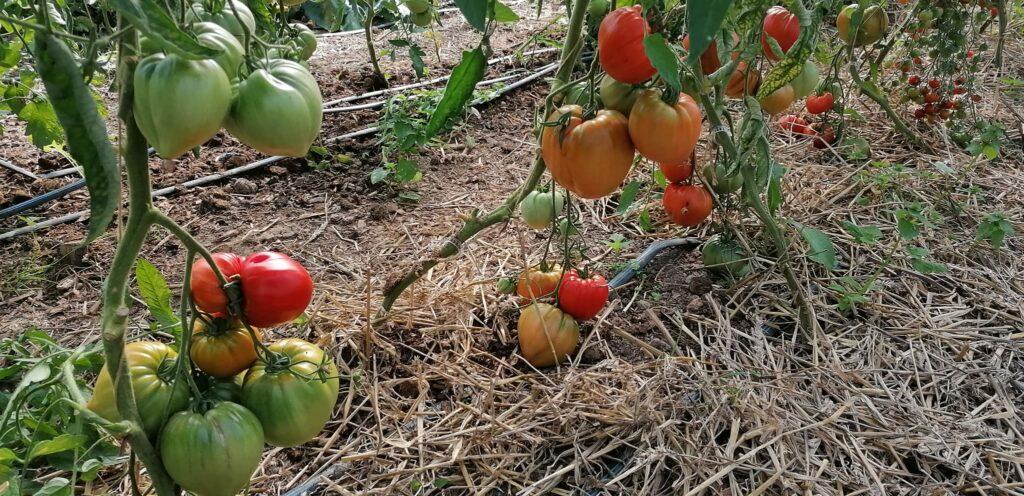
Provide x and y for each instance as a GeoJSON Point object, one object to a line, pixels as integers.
{"type": "Point", "coordinates": [677, 173]}
{"type": "Point", "coordinates": [276, 288]}
{"type": "Point", "coordinates": [933, 84]}
{"type": "Point", "coordinates": [783, 26]}
{"type": "Point", "coordinates": [825, 136]}
{"type": "Point", "coordinates": [709, 62]}
{"type": "Point", "coordinates": [582, 298]}
{"type": "Point", "coordinates": [206, 291]}
{"type": "Point", "coordinates": [919, 113]}
{"type": "Point", "coordinates": [819, 104]}
{"type": "Point", "coordinates": [686, 204]}
{"type": "Point", "coordinates": [620, 45]}
{"type": "Point", "coordinates": [914, 80]}
{"type": "Point", "coordinates": [795, 124]}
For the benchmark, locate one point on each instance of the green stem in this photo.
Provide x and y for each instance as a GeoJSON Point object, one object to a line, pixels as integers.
{"type": "Point", "coordinates": [1004, 19]}
{"type": "Point", "coordinates": [872, 92]}
{"type": "Point", "coordinates": [475, 224]}
{"type": "Point", "coordinates": [43, 29]}
{"type": "Point", "coordinates": [368, 33]}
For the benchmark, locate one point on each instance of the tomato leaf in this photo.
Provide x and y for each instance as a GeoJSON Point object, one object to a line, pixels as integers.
{"type": "Point", "coordinates": [158, 25]}
{"type": "Point", "coordinates": [503, 13]}
{"type": "Point", "coordinates": [157, 295]}
{"type": "Point", "coordinates": [822, 250]}
{"type": "Point", "coordinates": [459, 90]}
{"type": "Point", "coordinates": [664, 60]}
{"type": "Point", "coordinates": [627, 197]}
{"type": "Point", "coordinates": [86, 131]}
{"type": "Point", "coordinates": [41, 123]}
{"type": "Point", "coordinates": [475, 12]}
{"type": "Point", "coordinates": [406, 171]}
{"type": "Point", "coordinates": [922, 265]}
{"type": "Point", "coordinates": [703, 19]}
{"type": "Point", "coordinates": [63, 442]}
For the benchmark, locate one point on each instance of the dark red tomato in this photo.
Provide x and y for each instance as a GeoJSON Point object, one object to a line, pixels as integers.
{"type": "Point", "coordinates": [206, 291]}
{"type": "Point", "coordinates": [620, 45]}
{"type": "Point", "coordinates": [933, 84]}
{"type": "Point", "coordinates": [676, 173]}
{"type": "Point", "coordinates": [819, 104]}
{"type": "Point", "coordinates": [794, 124]}
{"type": "Point", "coordinates": [686, 204]}
{"type": "Point", "coordinates": [825, 136]}
{"type": "Point", "coordinates": [277, 289]}
{"type": "Point", "coordinates": [914, 80]}
{"type": "Point", "coordinates": [919, 113]}
{"type": "Point", "coordinates": [582, 298]}
{"type": "Point", "coordinates": [783, 26]}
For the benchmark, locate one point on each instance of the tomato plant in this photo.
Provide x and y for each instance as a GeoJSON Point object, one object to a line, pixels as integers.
{"type": "Point", "coordinates": [582, 297]}
{"type": "Point", "coordinates": [547, 336]}
{"type": "Point", "coordinates": [587, 157]}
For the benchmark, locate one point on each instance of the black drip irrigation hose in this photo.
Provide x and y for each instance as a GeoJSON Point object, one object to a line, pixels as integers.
{"type": "Point", "coordinates": [41, 199]}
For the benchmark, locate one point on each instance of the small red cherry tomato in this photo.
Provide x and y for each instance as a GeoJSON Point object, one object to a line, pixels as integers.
{"type": "Point", "coordinates": [205, 287]}
{"type": "Point", "coordinates": [277, 289]}
{"type": "Point", "coordinates": [582, 298]}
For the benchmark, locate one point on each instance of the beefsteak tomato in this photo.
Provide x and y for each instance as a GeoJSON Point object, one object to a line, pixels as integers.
{"type": "Point", "coordinates": [293, 399]}
{"type": "Point", "coordinates": [539, 209]}
{"type": "Point", "coordinates": [783, 26]}
{"type": "Point", "coordinates": [582, 298]}
{"type": "Point", "coordinates": [205, 287]}
{"type": "Point", "coordinates": [546, 334]}
{"type": "Point", "coordinates": [213, 453]}
{"type": "Point", "coordinates": [225, 18]}
{"type": "Point", "coordinates": [620, 45]}
{"type": "Point", "coordinates": [222, 347]}
{"type": "Point", "coordinates": [617, 96]}
{"type": "Point", "coordinates": [535, 282]}
{"type": "Point", "coordinates": [677, 173]}
{"type": "Point", "coordinates": [276, 289]}
{"type": "Point", "coordinates": [664, 133]}
{"type": "Point", "coordinates": [232, 55]}
{"type": "Point", "coordinates": [304, 40]}
{"type": "Point", "coordinates": [874, 22]}
{"type": "Point", "coordinates": [151, 367]}
{"type": "Point", "coordinates": [589, 158]}
{"type": "Point", "coordinates": [179, 104]}
{"type": "Point", "coordinates": [278, 109]}
{"type": "Point", "coordinates": [819, 104]}
{"type": "Point", "coordinates": [686, 204]}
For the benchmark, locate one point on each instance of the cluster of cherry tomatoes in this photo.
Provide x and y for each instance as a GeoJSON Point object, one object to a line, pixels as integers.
{"type": "Point", "coordinates": [937, 100]}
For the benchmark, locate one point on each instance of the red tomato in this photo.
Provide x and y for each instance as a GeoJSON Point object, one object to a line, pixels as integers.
{"type": "Point", "coordinates": [676, 173]}
{"type": "Point", "coordinates": [206, 291]}
{"type": "Point", "coordinates": [825, 136]}
{"type": "Point", "coordinates": [914, 80]}
{"type": "Point", "coordinates": [277, 289]}
{"type": "Point", "coordinates": [796, 125]}
{"type": "Point", "coordinates": [709, 62]}
{"type": "Point", "coordinates": [582, 298]}
{"type": "Point", "coordinates": [819, 104]}
{"type": "Point", "coordinates": [686, 204]}
{"type": "Point", "coordinates": [620, 45]}
{"type": "Point", "coordinates": [783, 26]}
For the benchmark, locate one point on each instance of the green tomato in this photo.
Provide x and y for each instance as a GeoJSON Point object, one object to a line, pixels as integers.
{"type": "Point", "coordinates": [617, 96]}
{"type": "Point", "coordinates": [179, 104]}
{"type": "Point", "coordinates": [539, 209]}
{"type": "Point", "coordinates": [806, 81]}
{"type": "Point", "coordinates": [213, 453]}
{"type": "Point", "coordinates": [422, 19]}
{"type": "Point", "coordinates": [278, 109]}
{"type": "Point", "coordinates": [305, 40]}
{"type": "Point", "coordinates": [579, 94]}
{"type": "Point", "coordinates": [290, 400]}
{"type": "Point", "coordinates": [598, 8]}
{"type": "Point", "coordinates": [874, 22]}
{"type": "Point", "coordinates": [418, 6]}
{"type": "Point", "coordinates": [226, 18]}
{"type": "Point", "coordinates": [232, 54]}
{"type": "Point", "coordinates": [151, 366]}
{"type": "Point", "coordinates": [715, 177]}
{"type": "Point", "coordinates": [724, 256]}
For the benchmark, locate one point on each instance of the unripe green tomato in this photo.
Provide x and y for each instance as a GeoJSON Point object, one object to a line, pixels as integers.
{"type": "Point", "coordinates": [232, 55]}
{"type": "Point", "coordinates": [226, 18]}
{"type": "Point", "coordinates": [598, 8]}
{"type": "Point", "coordinates": [305, 40]}
{"type": "Point", "coordinates": [579, 94]}
{"type": "Point", "coordinates": [715, 177]}
{"type": "Point", "coordinates": [617, 96]}
{"type": "Point", "coordinates": [725, 257]}
{"type": "Point", "coordinates": [806, 81]}
{"type": "Point", "coordinates": [278, 109]}
{"type": "Point", "coordinates": [422, 19]}
{"type": "Point", "coordinates": [179, 104]}
{"type": "Point", "coordinates": [418, 6]}
{"type": "Point", "coordinates": [539, 209]}
{"type": "Point", "coordinates": [874, 23]}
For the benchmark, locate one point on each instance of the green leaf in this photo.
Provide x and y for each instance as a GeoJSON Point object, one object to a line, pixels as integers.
{"type": "Point", "coordinates": [995, 227]}
{"type": "Point", "coordinates": [41, 123]}
{"type": "Point", "coordinates": [475, 12]}
{"type": "Point", "coordinates": [664, 60]}
{"type": "Point", "coordinates": [407, 172]}
{"type": "Point", "coordinates": [86, 131]}
{"type": "Point", "coordinates": [921, 264]}
{"type": "Point", "coordinates": [659, 178]}
{"type": "Point", "coordinates": [10, 55]}
{"type": "Point", "coordinates": [867, 235]}
{"type": "Point", "coordinates": [57, 486]}
{"type": "Point", "coordinates": [704, 19]}
{"type": "Point", "coordinates": [502, 13]}
{"type": "Point", "coordinates": [645, 220]}
{"type": "Point", "coordinates": [627, 196]}
{"type": "Point", "coordinates": [775, 187]}
{"type": "Point", "coordinates": [906, 224]}
{"type": "Point", "coordinates": [822, 250]}
{"type": "Point", "coordinates": [377, 175]}
{"type": "Point", "coordinates": [155, 292]}
{"type": "Point", "coordinates": [63, 442]}
{"type": "Point", "coordinates": [150, 18]}
{"type": "Point", "coordinates": [459, 89]}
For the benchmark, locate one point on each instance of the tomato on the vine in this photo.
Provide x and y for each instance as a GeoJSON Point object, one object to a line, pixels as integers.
{"type": "Point", "coordinates": [783, 26]}
{"type": "Point", "coordinates": [536, 282]}
{"type": "Point", "coordinates": [213, 453]}
{"type": "Point", "coordinates": [686, 204]}
{"type": "Point", "coordinates": [538, 209]}
{"type": "Point", "coordinates": [662, 132]}
{"type": "Point", "coordinates": [617, 96]}
{"type": "Point", "coordinates": [546, 334]}
{"type": "Point", "coordinates": [620, 45]}
{"type": "Point", "coordinates": [825, 136]}
{"type": "Point", "coordinates": [724, 256]}
{"type": "Point", "coordinates": [778, 100]}
{"type": "Point", "coordinates": [743, 81]}
{"type": "Point", "coordinates": [873, 24]}
{"type": "Point", "coordinates": [295, 398]}
{"type": "Point", "coordinates": [232, 54]}
{"type": "Point", "coordinates": [222, 347]}
{"type": "Point", "coordinates": [796, 125]}
{"type": "Point", "coordinates": [709, 61]}
{"type": "Point", "coordinates": [819, 104]}
{"type": "Point", "coordinates": [278, 109]}
{"type": "Point", "coordinates": [205, 287]}
{"type": "Point", "coordinates": [226, 18]}
{"type": "Point", "coordinates": [276, 288]}
{"type": "Point", "coordinates": [677, 173]}
{"type": "Point", "coordinates": [582, 298]}
{"type": "Point", "coordinates": [716, 177]}
{"type": "Point", "coordinates": [589, 158]}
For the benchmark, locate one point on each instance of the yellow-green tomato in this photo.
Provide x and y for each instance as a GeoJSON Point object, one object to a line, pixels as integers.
{"type": "Point", "coordinates": [278, 109]}
{"type": "Point", "coordinates": [806, 81]}
{"type": "Point", "coordinates": [179, 104]}
{"type": "Point", "coordinates": [874, 22]}
{"type": "Point", "coordinates": [617, 96]}
{"type": "Point", "coordinates": [422, 19]}
{"type": "Point", "coordinates": [418, 6]}
{"type": "Point", "coordinates": [539, 209]}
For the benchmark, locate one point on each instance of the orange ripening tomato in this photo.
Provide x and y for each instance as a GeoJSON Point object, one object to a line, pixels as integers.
{"type": "Point", "coordinates": [778, 100]}
{"type": "Point", "coordinates": [589, 158]}
{"type": "Point", "coordinates": [546, 334]}
{"type": "Point", "coordinates": [662, 132]}
{"type": "Point", "coordinates": [709, 62]}
{"type": "Point", "coordinates": [222, 347]}
{"type": "Point", "coordinates": [206, 291]}
{"type": "Point", "coordinates": [677, 173]}
{"type": "Point", "coordinates": [686, 204]}
{"type": "Point", "coordinates": [620, 45]}
{"type": "Point", "coordinates": [783, 26]}
{"type": "Point", "coordinates": [536, 283]}
{"type": "Point", "coordinates": [743, 81]}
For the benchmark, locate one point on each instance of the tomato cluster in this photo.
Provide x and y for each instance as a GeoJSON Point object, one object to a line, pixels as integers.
{"type": "Point", "coordinates": [275, 288]}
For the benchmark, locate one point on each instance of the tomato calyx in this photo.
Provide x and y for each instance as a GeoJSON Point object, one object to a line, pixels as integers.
{"type": "Point", "coordinates": [167, 370]}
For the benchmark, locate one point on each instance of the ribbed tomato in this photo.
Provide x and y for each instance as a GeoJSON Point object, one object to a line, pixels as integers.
{"type": "Point", "coordinates": [796, 125]}
{"type": "Point", "coordinates": [232, 55]}
{"type": "Point", "coordinates": [536, 283]}
{"type": "Point", "coordinates": [617, 96]}
{"type": "Point", "coordinates": [686, 204]}
{"type": "Point", "coordinates": [226, 18]}
{"type": "Point", "coordinates": [222, 347]}
{"type": "Point", "coordinates": [778, 101]}
{"type": "Point", "coordinates": [582, 298]}
{"type": "Point", "coordinates": [205, 287]}
{"type": "Point", "coordinates": [819, 104]}
{"type": "Point", "coordinates": [783, 26]}
{"type": "Point", "coordinates": [743, 81]}
{"type": "Point", "coordinates": [546, 334]}
{"type": "Point", "coordinates": [620, 45]}
{"type": "Point", "coordinates": [677, 173]}
{"type": "Point", "coordinates": [151, 367]}
{"type": "Point", "coordinates": [293, 399]}
{"type": "Point", "coordinates": [276, 288]}
{"type": "Point", "coordinates": [664, 133]}
{"type": "Point", "coordinates": [277, 109]}
{"type": "Point", "coordinates": [709, 61]}
{"type": "Point", "coordinates": [589, 158]}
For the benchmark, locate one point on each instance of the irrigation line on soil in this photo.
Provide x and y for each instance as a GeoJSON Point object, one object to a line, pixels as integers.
{"type": "Point", "coordinates": [17, 169]}
{"type": "Point", "coordinates": [41, 199]}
